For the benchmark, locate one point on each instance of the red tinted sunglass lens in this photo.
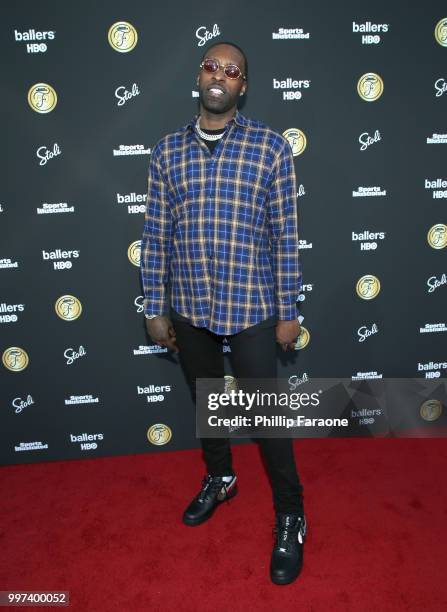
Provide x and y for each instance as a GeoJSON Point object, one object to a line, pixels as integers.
{"type": "Point", "coordinates": [232, 72]}
{"type": "Point", "coordinates": [210, 65]}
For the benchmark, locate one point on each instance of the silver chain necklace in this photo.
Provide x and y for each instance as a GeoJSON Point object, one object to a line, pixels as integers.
{"type": "Point", "coordinates": [206, 136]}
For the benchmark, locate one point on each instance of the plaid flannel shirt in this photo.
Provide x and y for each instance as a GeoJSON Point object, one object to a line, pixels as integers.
{"type": "Point", "coordinates": [221, 228]}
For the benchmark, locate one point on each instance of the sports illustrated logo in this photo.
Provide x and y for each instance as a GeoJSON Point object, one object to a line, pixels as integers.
{"type": "Point", "coordinates": [368, 192]}
{"type": "Point", "coordinates": [439, 187]}
{"type": "Point", "coordinates": [432, 328]}
{"type": "Point", "coordinates": [15, 359]}
{"type": "Point", "coordinates": [6, 262]}
{"type": "Point", "coordinates": [123, 95]}
{"type": "Point", "coordinates": [437, 236]}
{"type": "Point", "coordinates": [35, 35]}
{"type": "Point", "coordinates": [290, 34]}
{"type": "Point", "coordinates": [369, 31]}
{"type": "Point", "coordinates": [203, 35]}
{"type": "Point", "coordinates": [42, 98]}
{"type": "Point", "coordinates": [370, 86]}
{"type": "Point", "coordinates": [440, 32]}
{"type": "Point", "coordinates": [68, 307]}
{"type": "Point", "coordinates": [437, 139]}
{"type": "Point", "coordinates": [432, 369]}
{"type": "Point", "coordinates": [303, 244]}
{"type": "Point", "coordinates": [131, 150]}
{"type": "Point", "coordinates": [134, 253]}
{"type": "Point", "coordinates": [19, 404]}
{"type": "Point", "coordinates": [150, 349]}
{"type": "Point", "coordinates": [434, 283]}
{"type": "Point", "coordinates": [291, 87]}
{"type": "Point", "coordinates": [52, 209]}
{"type": "Point", "coordinates": [366, 375]}
{"type": "Point", "coordinates": [81, 399]}
{"type": "Point", "coordinates": [154, 393]}
{"type": "Point", "coordinates": [87, 441]}
{"type": "Point", "coordinates": [366, 140]}
{"type": "Point", "coordinates": [60, 259]}
{"type": "Point", "coordinates": [440, 87]}
{"type": "Point", "coordinates": [367, 239]}
{"type": "Point", "coordinates": [71, 355]}
{"type": "Point", "coordinates": [44, 154]}
{"type": "Point", "coordinates": [368, 287]}
{"type": "Point", "coordinates": [8, 312]}
{"type": "Point", "coordinates": [297, 140]}
{"type": "Point", "coordinates": [122, 36]}
{"type": "Point", "coordinates": [30, 446]}
{"type": "Point", "coordinates": [132, 200]}
{"type": "Point", "coordinates": [364, 332]}
{"type": "Point", "coordinates": [159, 434]}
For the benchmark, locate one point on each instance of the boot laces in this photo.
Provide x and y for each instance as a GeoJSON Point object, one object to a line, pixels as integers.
{"type": "Point", "coordinates": [286, 533]}
{"type": "Point", "coordinates": [211, 486]}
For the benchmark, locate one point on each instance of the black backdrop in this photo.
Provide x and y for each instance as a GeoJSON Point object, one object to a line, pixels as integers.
{"type": "Point", "coordinates": [48, 406]}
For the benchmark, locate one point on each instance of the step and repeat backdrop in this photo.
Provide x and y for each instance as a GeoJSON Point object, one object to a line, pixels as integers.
{"type": "Point", "coordinates": [360, 92]}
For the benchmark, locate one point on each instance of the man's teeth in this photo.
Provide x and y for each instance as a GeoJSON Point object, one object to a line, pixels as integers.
{"type": "Point", "coordinates": [215, 90]}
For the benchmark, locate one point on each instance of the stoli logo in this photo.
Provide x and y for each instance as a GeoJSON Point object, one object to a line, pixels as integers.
{"type": "Point", "coordinates": [204, 35]}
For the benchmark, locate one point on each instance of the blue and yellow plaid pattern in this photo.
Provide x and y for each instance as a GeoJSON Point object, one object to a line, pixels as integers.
{"type": "Point", "coordinates": [221, 228]}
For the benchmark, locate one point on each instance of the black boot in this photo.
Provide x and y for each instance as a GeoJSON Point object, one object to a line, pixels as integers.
{"type": "Point", "coordinates": [213, 492]}
{"type": "Point", "coordinates": [287, 554]}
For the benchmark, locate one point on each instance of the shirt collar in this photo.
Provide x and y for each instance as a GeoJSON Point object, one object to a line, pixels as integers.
{"type": "Point", "coordinates": [237, 118]}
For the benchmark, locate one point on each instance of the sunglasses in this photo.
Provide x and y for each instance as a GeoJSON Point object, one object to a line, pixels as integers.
{"type": "Point", "coordinates": [231, 71]}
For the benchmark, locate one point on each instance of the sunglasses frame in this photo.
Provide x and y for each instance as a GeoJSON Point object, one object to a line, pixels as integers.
{"type": "Point", "coordinates": [240, 75]}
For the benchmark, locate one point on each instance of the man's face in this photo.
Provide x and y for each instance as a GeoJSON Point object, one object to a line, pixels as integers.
{"type": "Point", "coordinates": [217, 93]}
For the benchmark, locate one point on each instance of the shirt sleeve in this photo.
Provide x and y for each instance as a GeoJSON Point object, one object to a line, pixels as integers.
{"type": "Point", "coordinates": [156, 244]}
{"type": "Point", "coordinates": [282, 214]}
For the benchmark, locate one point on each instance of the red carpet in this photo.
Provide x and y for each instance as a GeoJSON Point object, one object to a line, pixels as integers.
{"type": "Point", "coordinates": [109, 531]}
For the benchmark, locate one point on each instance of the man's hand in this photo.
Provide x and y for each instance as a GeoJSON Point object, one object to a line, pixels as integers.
{"type": "Point", "coordinates": [287, 332]}
{"type": "Point", "coordinates": [162, 332]}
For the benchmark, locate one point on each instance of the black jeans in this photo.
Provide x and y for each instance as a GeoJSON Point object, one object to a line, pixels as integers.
{"type": "Point", "coordinates": [253, 355]}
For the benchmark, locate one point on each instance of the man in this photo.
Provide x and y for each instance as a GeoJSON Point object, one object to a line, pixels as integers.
{"type": "Point", "coordinates": [221, 229]}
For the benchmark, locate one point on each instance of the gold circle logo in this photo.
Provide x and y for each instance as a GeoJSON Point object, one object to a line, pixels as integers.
{"type": "Point", "coordinates": [42, 98]}
{"type": "Point", "coordinates": [297, 140]}
{"type": "Point", "coordinates": [303, 339]}
{"type": "Point", "coordinates": [15, 359]}
{"type": "Point", "coordinates": [159, 434]}
{"type": "Point", "coordinates": [122, 36]}
{"type": "Point", "coordinates": [437, 236]}
{"type": "Point", "coordinates": [370, 86]}
{"type": "Point", "coordinates": [230, 384]}
{"type": "Point", "coordinates": [431, 410]}
{"type": "Point", "coordinates": [134, 253]}
{"type": "Point", "coordinates": [368, 287]}
{"type": "Point", "coordinates": [68, 307]}
{"type": "Point", "coordinates": [441, 32]}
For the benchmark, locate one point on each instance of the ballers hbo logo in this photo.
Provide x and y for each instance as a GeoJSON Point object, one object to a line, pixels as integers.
{"type": "Point", "coordinates": [297, 140]}
{"type": "Point", "coordinates": [134, 253]}
{"type": "Point", "coordinates": [370, 86]}
{"type": "Point", "coordinates": [68, 307]}
{"type": "Point", "coordinates": [159, 434]}
{"type": "Point", "coordinates": [368, 287]}
{"type": "Point", "coordinates": [303, 339]}
{"type": "Point", "coordinates": [42, 98]}
{"type": "Point", "coordinates": [437, 236]}
{"type": "Point", "coordinates": [441, 32]}
{"type": "Point", "coordinates": [15, 359]}
{"type": "Point", "coordinates": [122, 36]}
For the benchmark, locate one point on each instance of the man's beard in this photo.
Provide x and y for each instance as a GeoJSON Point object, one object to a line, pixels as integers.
{"type": "Point", "coordinates": [216, 105]}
